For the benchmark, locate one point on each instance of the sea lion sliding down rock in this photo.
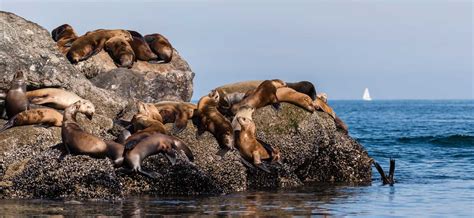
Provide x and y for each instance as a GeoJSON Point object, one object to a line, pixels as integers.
{"type": "Point", "coordinates": [77, 141]}
{"type": "Point", "coordinates": [64, 36]}
{"type": "Point", "coordinates": [176, 112]}
{"type": "Point", "coordinates": [251, 149]}
{"type": "Point", "coordinates": [151, 145]}
{"type": "Point", "coordinates": [16, 100]}
{"type": "Point", "coordinates": [208, 118]}
{"type": "Point", "coordinates": [45, 116]}
{"type": "Point", "coordinates": [263, 95]}
{"type": "Point", "coordinates": [53, 97]}
{"type": "Point", "coordinates": [160, 46]}
{"type": "Point", "coordinates": [141, 49]}
{"type": "Point", "coordinates": [92, 43]}
{"type": "Point", "coordinates": [120, 51]}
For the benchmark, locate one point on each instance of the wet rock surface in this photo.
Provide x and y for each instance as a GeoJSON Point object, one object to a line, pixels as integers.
{"type": "Point", "coordinates": [30, 164]}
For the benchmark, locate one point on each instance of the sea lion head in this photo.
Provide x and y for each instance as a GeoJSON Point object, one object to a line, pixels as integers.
{"type": "Point", "coordinates": [278, 83]}
{"type": "Point", "coordinates": [18, 81]}
{"type": "Point", "coordinates": [86, 107]}
{"type": "Point", "coordinates": [126, 35]}
{"type": "Point", "coordinates": [126, 61]}
{"type": "Point", "coordinates": [246, 124]}
{"type": "Point", "coordinates": [135, 33]}
{"type": "Point", "coordinates": [214, 94]}
{"type": "Point", "coordinates": [57, 33]}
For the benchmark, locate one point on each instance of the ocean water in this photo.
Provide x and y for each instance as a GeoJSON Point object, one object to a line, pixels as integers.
{"type": "Point", "coordinates": [432, 142]}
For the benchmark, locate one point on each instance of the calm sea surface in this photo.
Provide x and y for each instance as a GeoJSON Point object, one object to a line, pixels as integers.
{"type": "Point", "coordinates": [432, 142]}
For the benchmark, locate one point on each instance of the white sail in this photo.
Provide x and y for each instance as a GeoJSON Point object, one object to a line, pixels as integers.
{"type": "Point", "coordinates": [366, 96]}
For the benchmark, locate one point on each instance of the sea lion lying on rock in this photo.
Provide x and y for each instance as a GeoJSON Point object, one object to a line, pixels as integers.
{"type": "Point", "coordinates": [263, 95]}
{"type": "Point", "coordinates": [77, 141]}
{"type": "Point", "coordinates": [120, 51]}
{"type": "Point", "coordinates": [92, 43]}
{"type": "Point", "coordinates": [208, 118]}
{"type": "Point", "coordinates": [177, 113]}
{"type": "Point", "coordinates": [45, 116]}
{"type": "Point", "coordinates": [151, 145]}
{"type": "Point", "coordinates": [160, 46]}
{"type": "Point", "coordinates": [53, 97]}
{"type": "Point", "coordinates": [251, 149]}
{"type": "Point", "coordinates": [64, 36]}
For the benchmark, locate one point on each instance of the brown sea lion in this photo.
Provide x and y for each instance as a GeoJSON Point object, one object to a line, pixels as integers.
{"type": "Point", "coordinates": [160, 46]}
{"type": "Point", "coordinates": [251, 149]}
{"type": "Point", "coordinates": [120, 51]}
{"type": "Point", "coordinates": [176, 112]}
{"type": "Point", "coordinates": [77, 141]}
{"type": "Point", "coordinates": [263, 95]}
{"type": "Point", "coordinates": [64, 36]}
{"type": "Point", "coordinates": [53, 97]}
{"type": "Point", "coordinates": [92, 43]}
{"type": "Point", "coordinates": [304, 87]}
{"type": "Point", "coordinates": [141, 49]}
{"type": "Point", "coordinates": [16, 100]}
{"type": "Point", "coordinates": [323, 96]}
{"type": "Point", "coordinates": [289, 95]}
{"type": "Point", "coordinates": [45, 116]}
{"type": "Point", "coordinates": [151, 145]}
{"type": "Point", "coordinates": [208, 118]}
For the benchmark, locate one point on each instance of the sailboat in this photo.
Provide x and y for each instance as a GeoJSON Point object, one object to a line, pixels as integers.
{"type": "Point", "coordinates": [366, 96]}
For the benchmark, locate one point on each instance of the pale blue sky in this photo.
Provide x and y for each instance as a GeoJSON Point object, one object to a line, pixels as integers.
{"type": "Point", "coordinates": [399, 49]}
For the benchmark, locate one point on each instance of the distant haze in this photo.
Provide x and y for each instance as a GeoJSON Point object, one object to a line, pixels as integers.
{"type": "Point", "coordinates": [398, 49]}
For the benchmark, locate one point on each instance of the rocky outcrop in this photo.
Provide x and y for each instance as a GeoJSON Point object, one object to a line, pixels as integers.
{"type": "Point", "coordinates": [312, 149]}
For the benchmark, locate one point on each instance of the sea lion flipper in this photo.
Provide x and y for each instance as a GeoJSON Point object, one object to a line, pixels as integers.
{"type": "Point", "coordinates": [147, 174]}
{"type": "Point", "coordinates": [276, 106]}
{"type": "Point", "coordinates": [180, 123]}
{"type": "Point", "coordinates": [222, 152]}
{"type": "Point", "coordinates": [9, 124]}
{"type": "Point", "coordinates": [178, 145]}
{"type": "Point", "coordinates": [246, 163]}
{"type": "Point", "coordinates": [381, 172]}
{"type": "Point", "coordinates": [263, 167]}
{"type": "Point", "coordinates": [171, 157]}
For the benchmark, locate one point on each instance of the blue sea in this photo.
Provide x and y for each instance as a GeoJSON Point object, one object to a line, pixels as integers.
{"type": "Point", "coordinates": [432, 142]}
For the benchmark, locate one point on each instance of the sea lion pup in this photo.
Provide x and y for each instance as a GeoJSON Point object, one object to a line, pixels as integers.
{"type": "Point", "coordinates": [16, 100]}
{"type": "Point", "coordinates": [120, 51]}
{"type": "Point", "coordinates": [208, 118]}
{"type": "Point", "coordinates": [53, 97]}
{"type": "Point", "coordinates": [92, 43]}
{"type": "Point", "coordinates": [64, 36]}
{"type": "Point", "coordinates": [177, 113]}
{"type": "Point", "coordinates": [251, 149]}
{"type": "Point", "coordinates": [141, 49]}
{"type": "Point", "coordinates": [46, 116]}
{"type": "Point", "coordinates": [160, 46]}
{"type": "Point", "coordinates": [305, 87]}
{"type": "Point", "coordinates": [263, 95]}
{"type": "Point", "coordinates": [151, 145]}
{"type": "Point", "coordinates": [289, 95]}
{"type": "Point", "coordinates": [77, 141]}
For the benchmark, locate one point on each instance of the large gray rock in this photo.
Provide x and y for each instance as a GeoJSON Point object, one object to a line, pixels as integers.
{"type": "Point", "coordinates": [312, 149]}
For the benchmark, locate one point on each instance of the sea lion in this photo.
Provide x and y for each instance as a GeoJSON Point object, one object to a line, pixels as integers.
{"type": "Point", "coordinates": [208, 118]}
{"type": "Point", "coordinates": [64, 36]}
{"type": "Point", "coordinates": [92, 43]}
{"type": "Point", "coordinates": [176, 112]}
{"type": "Point", "coordinates": [46, 116]}
{"type": "Point", "coordinates": [263, 95]}
{"type": "Point", "coordinates": [120, 51]}
{"type": "Point", "coordinates": [53, 97]}
{"type": "Point", "coordinates": [323, 96]}
{"type": "Point", "coordinates": [141, 49]}
{"type": "Point", "coordinates": [160, 46]}
{"type": "Point", "coordinates": [77, 141]}
{"type": "Point", "coordinates": [151, 145]}
{"type": "Point", "coordinates": [16, 100]}
{"type": "Point", "coordinates": [251, 149]}
{"type": "Point", "coordinates": [305, 87]}
{"type": "Point", "coordinates": [289, 95]}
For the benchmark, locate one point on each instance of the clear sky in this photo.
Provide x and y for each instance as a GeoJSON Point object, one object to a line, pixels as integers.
{"type": "Point", "coordinates": [407, 49]}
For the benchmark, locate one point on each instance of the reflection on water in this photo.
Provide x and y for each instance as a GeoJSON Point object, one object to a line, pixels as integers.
{"type": "Point", "coordinates": [305, 201]}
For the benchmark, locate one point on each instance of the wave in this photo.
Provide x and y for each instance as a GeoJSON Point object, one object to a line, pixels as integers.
{"type": "Point", "coordinates": [450, 140]}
